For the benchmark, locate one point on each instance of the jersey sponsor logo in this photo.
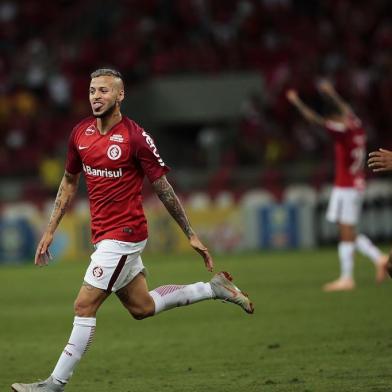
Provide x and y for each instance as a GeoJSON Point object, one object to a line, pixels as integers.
{"type": "Point", "coordinates": [117, 138]}
{"type": "Point", "coordinates": [83, 147]}
{"type": "Point", "coordinates": [114, 152]}
{"type": "Point", "coordinates": [153, 147]}
{"type": "Point", "coordinates": [90, 130]}
{"type": "Point", "coordinates": [102, 172]}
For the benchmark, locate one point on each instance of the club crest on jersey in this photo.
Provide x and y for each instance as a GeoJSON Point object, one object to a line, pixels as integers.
{"type": "Point", "coordinates": [114, 152]}
{"type": "Point", "coordinates": [90, 130]}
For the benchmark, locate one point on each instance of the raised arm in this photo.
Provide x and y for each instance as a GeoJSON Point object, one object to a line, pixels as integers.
{"type": "Point", "coordinates": [305, 110]}
{"type": "Point", "coordinates": [65, 194]}
{"type": "Point", "coordinates": [173, 205]}
{"type": "Point", "coordinates": [329, 91]}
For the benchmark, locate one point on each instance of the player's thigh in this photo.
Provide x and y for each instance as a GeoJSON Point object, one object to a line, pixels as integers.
{"type": "Point", "coordinates": [135, 295]}
{"type": "Point", "coordinates": [334, 206]}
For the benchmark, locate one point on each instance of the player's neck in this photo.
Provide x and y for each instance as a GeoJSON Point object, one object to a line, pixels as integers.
{"type": "Point", "coordinates": [105, 124]}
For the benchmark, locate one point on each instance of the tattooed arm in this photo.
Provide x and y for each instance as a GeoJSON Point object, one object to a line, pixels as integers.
{"type": "Point", "coordinates": [170, 200]}
{"type": "Point", "coordinates": [65, 194]}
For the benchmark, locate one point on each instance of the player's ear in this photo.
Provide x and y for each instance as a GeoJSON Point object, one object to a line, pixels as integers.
{"type": "Point", "coordinates": [121, 96]}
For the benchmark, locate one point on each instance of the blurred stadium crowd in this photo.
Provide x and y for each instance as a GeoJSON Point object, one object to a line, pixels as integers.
{"type": "Point", "coordinates": [47, 52]}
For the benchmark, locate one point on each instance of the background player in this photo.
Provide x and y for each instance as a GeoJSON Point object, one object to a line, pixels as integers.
{"type": "Point", "coordinates": [346, 199]}
{"type": "Point", "coordinates": [115, 155]}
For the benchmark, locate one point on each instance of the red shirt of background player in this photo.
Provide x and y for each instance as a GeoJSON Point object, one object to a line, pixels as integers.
{"type": "Point", "coordinates": [114, 166]}
{"type": "Point", "coordinates": [350, 151]}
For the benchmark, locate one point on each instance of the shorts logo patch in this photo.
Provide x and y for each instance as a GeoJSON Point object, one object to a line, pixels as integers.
{"type": "Point", "coordinates": [114, 152]}
{"type": "Point", "coordinates": [97, 272]}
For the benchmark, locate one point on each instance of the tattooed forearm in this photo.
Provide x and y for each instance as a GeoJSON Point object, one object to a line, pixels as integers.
{"type": "Point", "coordinates": [59, 209]}
{"type": "Point", "coordinates": [170, 200]}
{"type": "Point", "coordinates": [65, 194]}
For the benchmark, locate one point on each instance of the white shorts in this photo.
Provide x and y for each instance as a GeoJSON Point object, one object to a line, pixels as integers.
{"type": "Point", "coordinates": [114, 264]}
{"type": "Point", "coordinates": [344, 206]}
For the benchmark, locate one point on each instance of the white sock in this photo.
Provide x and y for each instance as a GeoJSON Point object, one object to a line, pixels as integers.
{"type": "Point", "coordinates": [171, 296]}
{"type": "Point", "coordinates": [365, 246]}
{"type": "Point", "coordinates": [346, 258]}
{"type": "Point", "coordinates": [79, 341]}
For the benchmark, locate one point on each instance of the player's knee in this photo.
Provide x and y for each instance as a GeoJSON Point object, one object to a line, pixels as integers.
{"type": "Point", "coordinates": [84, 309]}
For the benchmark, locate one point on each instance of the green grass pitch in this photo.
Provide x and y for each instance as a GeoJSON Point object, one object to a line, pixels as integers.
{"type": "Point", "coordinates": [299, 339]}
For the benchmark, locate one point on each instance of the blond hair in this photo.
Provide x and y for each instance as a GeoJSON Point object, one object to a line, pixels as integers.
{"type": "Point", "coordinates": [106, 72]}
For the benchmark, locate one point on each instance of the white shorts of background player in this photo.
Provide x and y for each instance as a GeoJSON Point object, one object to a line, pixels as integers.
{"type": "Point", "coordinates": [345, 206]}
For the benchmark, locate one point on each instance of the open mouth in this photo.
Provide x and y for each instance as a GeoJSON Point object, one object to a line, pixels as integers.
{"type": "Point", "coordinates": [97, 106]}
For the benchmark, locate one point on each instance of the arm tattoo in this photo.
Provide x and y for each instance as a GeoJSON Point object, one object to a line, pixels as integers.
{"type": "Point", "coordinates": [67, 190]}
{"type": "Point", "coordinates": [60, 206]}
{"type": "Point", "coordinates": [170, 200]}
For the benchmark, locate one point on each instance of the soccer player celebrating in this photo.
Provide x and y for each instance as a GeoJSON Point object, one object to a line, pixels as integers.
{"type": "Point", "coordinates": [345, 203]}
{"type": "Point", "coordinates": [115, 154]}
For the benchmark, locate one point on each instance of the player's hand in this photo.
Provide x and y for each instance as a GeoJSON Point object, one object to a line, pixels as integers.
{"type": "Point", "coordinates": [292, 96]}
{"type": "Point", "coordinates": [326, 87]}
{"type": "Point", "coordinates": [197, 245]}
{"type": "Point", "coordinates": [42, 254]}
{"type": "Point", "coordinates": [380, 160]}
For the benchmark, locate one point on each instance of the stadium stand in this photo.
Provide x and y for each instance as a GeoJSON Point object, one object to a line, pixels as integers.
{"type": "Point", "coordinates": [44, 65]}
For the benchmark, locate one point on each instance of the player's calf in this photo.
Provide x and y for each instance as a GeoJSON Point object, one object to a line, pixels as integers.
{"type": "Point", "coordinates": [139, 313]}
{"type": "Point", "coordinates": [139, 308]}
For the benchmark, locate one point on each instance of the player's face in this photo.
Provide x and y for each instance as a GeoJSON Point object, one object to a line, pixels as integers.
{"type": "Point", "coordinates": [106, 94]}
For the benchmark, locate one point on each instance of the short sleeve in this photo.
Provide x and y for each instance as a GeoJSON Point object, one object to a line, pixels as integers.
{"type": "Point", "coordinates": [335, 126]}
{"type": "Point", "coordinates": [73, 163]}
{"type": "Point", "coordinates": [146, 153]}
